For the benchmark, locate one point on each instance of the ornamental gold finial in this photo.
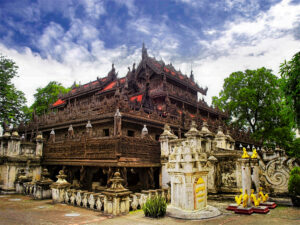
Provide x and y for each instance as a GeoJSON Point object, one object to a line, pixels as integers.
{"type": "Point", "coordinates": [245, 154]}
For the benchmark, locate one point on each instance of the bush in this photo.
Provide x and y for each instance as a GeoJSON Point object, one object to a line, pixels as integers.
{"type": "Point", "coordinates": [155, 207]}
{"type": "Point", "coordinates": [294, 186]}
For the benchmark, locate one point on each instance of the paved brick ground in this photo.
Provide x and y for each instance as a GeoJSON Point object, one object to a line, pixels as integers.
{"type": "Point", "coordinates": [17, 209]}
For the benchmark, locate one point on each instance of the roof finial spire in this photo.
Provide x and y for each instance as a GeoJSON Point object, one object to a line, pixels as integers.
{"type": "Point", "coordinates": [192, 75]}
{"type": "Point", "coordinates": [144, 51]}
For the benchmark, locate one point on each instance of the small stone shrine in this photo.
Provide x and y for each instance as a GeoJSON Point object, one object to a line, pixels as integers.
{"type": "Point", "coordinates": [186, 168]}
{"type": "Point", "coordinates": [116, 200]}
{"type": "Point", "coordinates": [20, 180]}
{"type": "Point", "coordinates": [59, 187]}
{"type": "Point", "coordinates": [43, 190]}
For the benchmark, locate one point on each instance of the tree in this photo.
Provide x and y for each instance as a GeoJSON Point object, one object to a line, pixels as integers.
{"type": "Point", "coordinates": [253, 101]}
{"type": "Point", "coordinates": [290, 84]}
{"type": "Point", "coordinates": [46, 96]}
{"type": "Point", "coordinates": [12, 101]}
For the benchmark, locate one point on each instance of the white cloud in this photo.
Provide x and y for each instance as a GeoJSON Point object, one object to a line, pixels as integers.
{"type": "Point", "coordinates": [52, 33]}
{"type": "Point", "coordinates": [212, 72]}
{"type": "Point", "coordinates": [94, 8]}
{"type": "Point", "coordinates": [275, 22]}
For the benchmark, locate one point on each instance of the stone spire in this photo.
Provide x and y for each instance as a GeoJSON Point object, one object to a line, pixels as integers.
{"type": "Point", "coordinates": [193, 132]}
{"type": "Point", "coordinates": [205, 131]}
{"type": "Point", "coordinates": [117, 123]}
{"type": "Point", "coordinates": [167, 133]}
{"type": "Point", "coordinates": [88, 128]}
{"type": "Point", "coordinates": [52, 136]}
{"type": "Point", "coordinates": [144, 131]}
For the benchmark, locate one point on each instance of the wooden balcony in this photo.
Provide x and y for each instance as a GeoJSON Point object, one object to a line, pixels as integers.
{"type": "Point", "coordinates": [119, 151]}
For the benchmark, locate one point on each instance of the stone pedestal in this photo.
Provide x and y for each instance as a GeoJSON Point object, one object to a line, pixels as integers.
{"type": "Point", "coordinates": [116, 200]}
{"type": "Point", "coordinates": [43, 190]}
{"type": "Point", "coordinates": [59, 187]}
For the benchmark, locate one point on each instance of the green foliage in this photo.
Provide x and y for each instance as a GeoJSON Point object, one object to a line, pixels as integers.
{"type": "Point", "coordinates": [290, 84]}
{"type": "Point", "coordinates": [155, 207]}
{"type": "Point", "coordinates": [293, 149]}
{"type": "Point", "coordinates": [294, 185]}
{"type": "Point", "coordinates": [46, 96]}
{"type": "Point", "coordinates": [12, 101]}
{"type": "Point", "coordinates": [253, 100]}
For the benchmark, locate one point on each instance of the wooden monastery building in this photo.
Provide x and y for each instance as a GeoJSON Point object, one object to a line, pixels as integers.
{"type": "Point", "coordinates": [115, 123]}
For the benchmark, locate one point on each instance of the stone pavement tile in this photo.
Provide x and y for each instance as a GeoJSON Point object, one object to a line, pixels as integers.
{"type": "Point", "coordinates": [28, 211]}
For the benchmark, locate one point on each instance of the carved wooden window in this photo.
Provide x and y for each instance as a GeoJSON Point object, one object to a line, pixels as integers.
{"type": "Point", "coordinates": [106, 132]}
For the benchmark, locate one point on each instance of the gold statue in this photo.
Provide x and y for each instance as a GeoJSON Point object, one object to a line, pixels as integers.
{"type": "Point", "coordinates": [238, 199]}
{"type": "Point", "coordinates": [245, 154]}
{"type": "Point", "coordinates": [253, 198]}
{"type": "Point", "coordinates": [245, 199]}
{"type": "Point", "coordinates": [263, 197]}
{"type": "Point", "coordinates": [254, 154]}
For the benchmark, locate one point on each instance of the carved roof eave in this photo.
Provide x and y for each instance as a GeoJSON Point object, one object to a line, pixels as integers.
{"type": "Point", "coordinates": [107, 91]}
{"type": "Point", "coordinates": [183, 82]}
{"type": "Point", "coordinates": [210, 109]}
{"type": "Point", "coordinates": [148, 62]}
{"type": "Point", "coordinates": [88, 90]}
{"type": "Point", "coordinates": [175, 78]}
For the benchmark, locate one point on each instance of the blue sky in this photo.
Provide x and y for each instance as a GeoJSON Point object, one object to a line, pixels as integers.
{"type": "Point", "coordinates": [77, 40]}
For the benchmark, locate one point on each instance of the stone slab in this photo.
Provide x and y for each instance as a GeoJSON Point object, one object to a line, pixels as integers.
{"type": "Point", "coordinates": [261, 209]}
{"type": "Point", "coordinates": [208, 212]}
{"type": "Point", "coordinates": [241, 210]}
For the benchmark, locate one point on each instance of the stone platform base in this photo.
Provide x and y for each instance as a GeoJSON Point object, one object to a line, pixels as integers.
{"type": "Point", "coordinates": [241, 210]}
{"type": "Point", "coordinates": [8, 191]}
{"type": "Point", "coordinates": [232, 207]}
{"type": "Point", "coordinates": [270, 205]}
{"type": "Point", "coordinates": [261, 209]}
{"type": "Point", "coordinates": [206, 213]}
